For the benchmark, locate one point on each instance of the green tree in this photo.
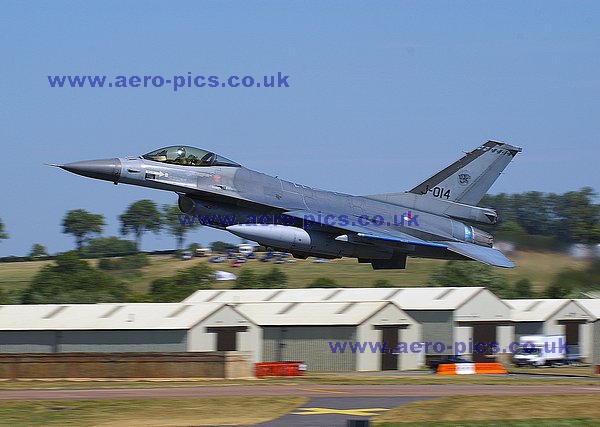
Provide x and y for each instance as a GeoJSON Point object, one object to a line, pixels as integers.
{"type": "Point", "coordinates": [38, 251]}
{"type": "Point", "coordinates": [222, 246]}
{"type": "Point", "coordinates": [108, 246]}
{"type": "Point", "coordinates": [275, 278]}
{"type": "Point", "coordinates": [571, 283]}
{"type": "Point", "coordinates": [3, 234]}
{"type": "Point", "coordinates": [178, 287]}
{"type": "Point", "coordinates": [469, 273]}
{"type": "Point", "coordinates": [558, 290]}
{"type": "Point", "coordinates": [523, 289]}
{"type": "Point", "coordinates": [71, 280]}
{"type": "Point", "coordinates": [569, 217]}
{"type": "Point", "coordinates": [323, 282]}
{"type": "Point", "coordinates": [129, 262]}
{"type": "Point", "coordinates": [247, 279]}
{"type": "Point", "coordinates": [382, 283]}
{"type": "Point", "coordinates": [579, 215]}
{"type": "Point", "coordinates": [141, 216]}
{"type": "Point", "coordinates": [173, 224]}
{"type": "Point", "coordinates": [82, 224]}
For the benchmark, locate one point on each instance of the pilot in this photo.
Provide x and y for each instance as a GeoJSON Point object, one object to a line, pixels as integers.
{"type": "Point", "coordinates": [180, 159]}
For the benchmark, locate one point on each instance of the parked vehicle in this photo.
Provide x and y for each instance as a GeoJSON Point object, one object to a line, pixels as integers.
{"type": "Point", "coordinates": [201, 252]}
{"type": "Point", "coordinates": [267, 257]}
{"type": "Point", "coordinates": [186, 255]}
{"type": "Point", "coordinates": [217, 259]}
{"type": "Point", "coordinates": [245, 249]}
{"type": "Point", "coordinates": [433, 364]}
{"type": "Point", "coordinates": [540, 350]}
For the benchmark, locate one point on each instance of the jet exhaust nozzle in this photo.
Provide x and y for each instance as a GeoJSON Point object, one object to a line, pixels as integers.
{"type": "Point", "coordinates": [482, 238]}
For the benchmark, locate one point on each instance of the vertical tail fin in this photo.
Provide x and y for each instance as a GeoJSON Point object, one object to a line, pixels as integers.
{"type": "Point", "coordinates": [468, 179]}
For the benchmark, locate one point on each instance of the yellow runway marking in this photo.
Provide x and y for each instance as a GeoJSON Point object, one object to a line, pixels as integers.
{"type": "Point", "coordinates": [325, 391]}
{"type": "Point", "coordinates": [362, 412]}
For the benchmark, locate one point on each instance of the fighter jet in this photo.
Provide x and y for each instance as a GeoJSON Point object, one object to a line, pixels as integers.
{"type": "Point", "coordinates": [432, 220]}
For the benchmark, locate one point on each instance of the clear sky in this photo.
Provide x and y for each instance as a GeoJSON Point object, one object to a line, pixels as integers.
{"type": "Point", "coordinates": [382, 94]}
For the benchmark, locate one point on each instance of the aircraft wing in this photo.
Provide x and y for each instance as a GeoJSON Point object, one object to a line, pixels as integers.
{"type": "Point", "coordinates": [365, 232]}
{"type": "Point", "coordinates": [356, 233]}
{"type": "Point", "coordinates": [482, 254]}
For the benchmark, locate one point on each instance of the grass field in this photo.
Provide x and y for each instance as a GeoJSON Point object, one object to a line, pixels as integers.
{"type": "Point", "coordinates": [538, 267]}
{"type": "Point", "coordinates": [547, 410]}
{"type": "Point", "coordinates": [147, 412]}
{"type": "Point", "coordinates": [567, 371]}
{"type": "Point", "coordinates": [310, 379]}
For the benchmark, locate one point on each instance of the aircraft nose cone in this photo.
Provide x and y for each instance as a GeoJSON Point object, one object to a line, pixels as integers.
{"type": "Point", "coordinates": [106, 169]}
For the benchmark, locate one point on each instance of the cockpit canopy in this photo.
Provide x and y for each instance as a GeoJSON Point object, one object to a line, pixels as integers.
{"type": "Point", "coordinates": [188, 156]}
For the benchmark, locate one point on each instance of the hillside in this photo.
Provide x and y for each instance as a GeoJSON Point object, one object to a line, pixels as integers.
{"type": "Point", "coordinates": [538, 267]}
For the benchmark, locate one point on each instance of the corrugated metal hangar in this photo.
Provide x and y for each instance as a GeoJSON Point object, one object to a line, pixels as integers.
{"type": "Point", "coordinates": [551, 317]}
{"type": "Point", "coordinates": [592, 329]}
{"type": "Point", "coordinates": [121, 328]}
{"type": "Point", "coordinates": [309, 325]}
{"type": "Point", "coordinates": [446, 314]}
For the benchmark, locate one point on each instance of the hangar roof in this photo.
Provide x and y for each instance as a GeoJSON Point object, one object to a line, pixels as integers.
{"type": "Point", "coordinates": [259, 295]}
{"type": "Point", "coordinates": [534, 310]}
{"type": "Point", "coordinates": [313, 313]}
{"type": "Point", "coordinates": [104, 316]}
{"type": "Point", "coordinates": [591, 306]}
{"type": "Point", "coordinates": [430, 298]}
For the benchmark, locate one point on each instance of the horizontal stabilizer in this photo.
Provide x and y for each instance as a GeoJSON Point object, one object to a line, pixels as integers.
{"type": "Point", "coordinates": [482, 254]}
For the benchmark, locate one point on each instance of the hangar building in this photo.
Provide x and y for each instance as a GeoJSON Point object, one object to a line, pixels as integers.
{"type": "Point", "coordinates": [446, 314]}
{"type": "Point", "coordinates": [146, 327]}
{"type": "Point", "coordinates": [322, 334]}
{"type": "Point", "coordinates": [591, 333]}
{"type": "Point", "coordinates": [550, 317]}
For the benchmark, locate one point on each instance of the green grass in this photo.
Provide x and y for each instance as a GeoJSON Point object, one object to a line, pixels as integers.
{"type": "Point", "coordinates": [308, 380]}
{"type": "Point", "coordinates": [572, 371]}
{"type": "Point", "coordinates": [538, 267]}
{"type": "Point", "coordinates": [17, 275]}
{"type": "Point", "coordinates": [496, 410]}
{"type": "Point", "coordinates": [147, 412]}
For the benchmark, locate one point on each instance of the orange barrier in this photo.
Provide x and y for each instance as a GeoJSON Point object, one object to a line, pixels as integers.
{"type": "Point", "coordinates": [470, 368]}
{"type": "Point", "coordinates": [279, 369]}
{"type": "Point", "coordinates": [446, 369]}
{"type": "Point", "coordinates": [489, 368]}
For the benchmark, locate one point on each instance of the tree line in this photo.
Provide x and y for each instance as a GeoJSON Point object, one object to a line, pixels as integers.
{"type": "Point", "coordinates": [546, 219]}
{"type": "Point", "coordinates": [139, 218]}
{"type": "Point", "coordinates": [534, 219]}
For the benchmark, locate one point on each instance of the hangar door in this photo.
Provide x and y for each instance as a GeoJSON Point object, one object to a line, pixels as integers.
{"type": "Point", "coordinates": [572, 335]}
{"type": "Point", "coordinates": [485, 333]}
{"type": "Point", "coordinates": [572, 332]}
{"type": "Point", "coordinates": [322, 348]}
{"type": "Point", "coordinates": [389, 358]}
{"type": "Point", "coordinates": [227, 336]}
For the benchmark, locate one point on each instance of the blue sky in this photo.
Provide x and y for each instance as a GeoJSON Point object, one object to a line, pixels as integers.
{"type": "Point", "coordinates": [381, 96]}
